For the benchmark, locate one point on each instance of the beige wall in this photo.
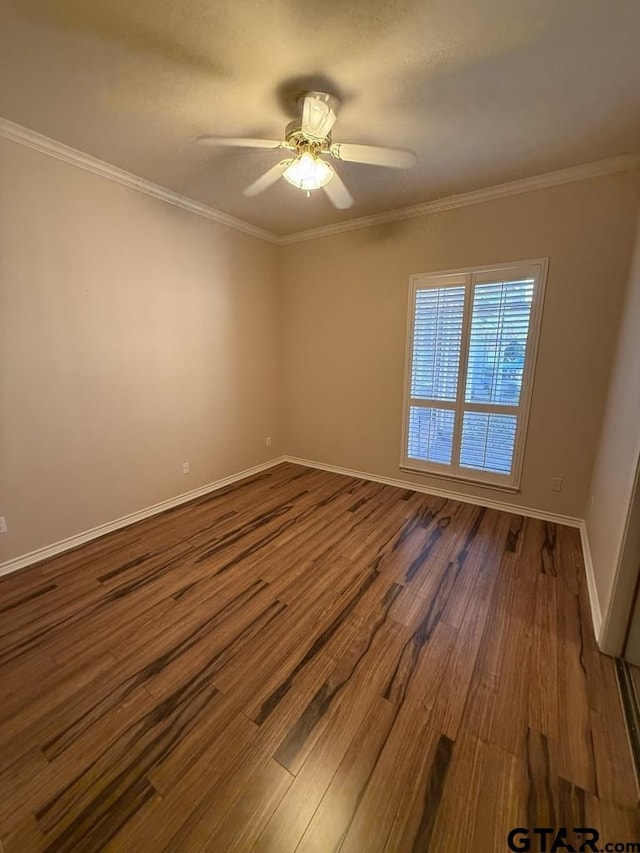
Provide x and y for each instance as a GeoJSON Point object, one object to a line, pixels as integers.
{"type": "Point", "coordinates": [344, 305]}
{"type": "Point", "coordinates": [614, 472]}
{"type": "Point", "coordinates": [133, 336]}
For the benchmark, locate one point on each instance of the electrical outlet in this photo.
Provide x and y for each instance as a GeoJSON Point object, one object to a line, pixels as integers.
{"type": "Point", "coordinates": [556, 484]}
{"type": "Point", "coordinates": [186, 467]}
{"type": "Point", "coordinates": [3, 524]}
{"type": "Point", "coordinates": [267, 441]}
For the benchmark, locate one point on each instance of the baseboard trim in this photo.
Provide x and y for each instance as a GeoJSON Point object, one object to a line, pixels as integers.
{"type": "Point", "coordinates": [556, 518]}
{"type": "Point", "coordinates": [596, 613]}
{"type": "Point", "coordinates": [63, 545]}
{"type": "Point", "coordinates": [80, 538]}
{"type": "Point", "coordinates": [568, 520]}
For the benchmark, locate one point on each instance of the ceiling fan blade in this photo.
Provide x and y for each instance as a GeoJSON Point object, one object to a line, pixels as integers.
{"type": "Point", "coordinates": [240, 142]}
{"type": "Point", "coordinates": [339, 195]}
{"type": "Point", "coordinates": [372, 155]}
{"type": "Point", "coordinates": [265, 181]}
{"type": "Point", "coordinates": [319, 113]}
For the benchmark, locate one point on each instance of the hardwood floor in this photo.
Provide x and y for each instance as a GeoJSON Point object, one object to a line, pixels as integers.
{"type": "Point", "coordinates": [308, 662]}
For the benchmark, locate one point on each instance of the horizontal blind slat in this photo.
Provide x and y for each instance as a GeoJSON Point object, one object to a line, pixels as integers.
{"type": "Point", "coordinates": [487, 442]}
{"type": "Point", "coordinates": [497, 347]}
{"type": "Point", "coordinates": [437, 333]}
{"type": "Point", "coordinates": [430, 435]}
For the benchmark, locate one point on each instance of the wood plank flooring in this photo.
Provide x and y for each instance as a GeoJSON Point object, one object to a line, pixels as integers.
{"type": "Point", "coordinates": [308, 662]}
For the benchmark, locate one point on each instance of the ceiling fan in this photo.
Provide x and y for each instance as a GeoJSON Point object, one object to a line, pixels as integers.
{"type": "Point", "coordinates": [308, 141]}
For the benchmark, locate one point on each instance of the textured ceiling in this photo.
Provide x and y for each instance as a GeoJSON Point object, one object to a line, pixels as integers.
{"type": "Point", "coordinates": [485, 91]}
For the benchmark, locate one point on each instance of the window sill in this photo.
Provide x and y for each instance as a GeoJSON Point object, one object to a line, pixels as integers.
{"type": "Point", "coordinates": [461, 479]}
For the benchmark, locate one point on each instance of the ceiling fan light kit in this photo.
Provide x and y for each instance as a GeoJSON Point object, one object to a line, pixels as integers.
{"type": "Point", "coordinates": [308, 172]}
{"type": "Point", "coordinates": [308, 138]}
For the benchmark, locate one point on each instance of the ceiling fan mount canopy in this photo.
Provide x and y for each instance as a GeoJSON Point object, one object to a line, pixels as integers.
{"type": "Point", "coordinates": [308, 139]}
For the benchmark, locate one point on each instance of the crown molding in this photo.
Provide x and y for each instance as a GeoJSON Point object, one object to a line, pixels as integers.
{"type": "Point", "coordinates": [624, 163]}
{"type": "Point", "coordinates": [30, 139]}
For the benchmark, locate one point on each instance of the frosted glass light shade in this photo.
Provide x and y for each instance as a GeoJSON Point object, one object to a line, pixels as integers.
{"type": "Point", "coordinates": [308, 172]}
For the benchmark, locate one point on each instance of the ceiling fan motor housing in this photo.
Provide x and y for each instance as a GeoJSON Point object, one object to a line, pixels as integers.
{"type": "Point", "coordinates": [308, 139]}
{"type": "Point", "coordinates": [301, 141]}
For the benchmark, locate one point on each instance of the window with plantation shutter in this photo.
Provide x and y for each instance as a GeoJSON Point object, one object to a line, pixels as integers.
{"type": "Point", "coordinates": [471, 350]}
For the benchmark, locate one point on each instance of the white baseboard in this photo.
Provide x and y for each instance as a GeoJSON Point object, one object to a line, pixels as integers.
{"type": "Point", "coordinates": [556, 518]}
{"type": "Point", "coordinates": [80, 538]}
{"type": "Point", "coordinates": [570, 521]}
{"type": "Point", "coordinates": [596, 614]}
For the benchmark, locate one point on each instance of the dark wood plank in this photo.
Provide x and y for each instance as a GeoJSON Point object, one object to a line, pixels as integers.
{"type": "Point", "coordinates": [307, 661]}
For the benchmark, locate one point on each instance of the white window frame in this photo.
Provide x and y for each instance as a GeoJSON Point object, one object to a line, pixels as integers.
{"type": "Point", "coordinates": [469, 277]}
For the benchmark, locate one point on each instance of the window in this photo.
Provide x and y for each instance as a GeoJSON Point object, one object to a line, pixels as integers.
{"type": "Point", "coordinates": [470, 359]}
